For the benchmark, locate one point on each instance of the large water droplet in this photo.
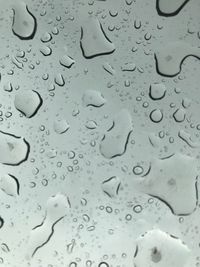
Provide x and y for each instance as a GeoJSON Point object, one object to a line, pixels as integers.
{"type": "Point", "coordinates": [1, 222]}
{"type": "Point", "coordinates": [24, 23]}
{"type": "Point", "coordinates": [28, 102]}
{"type": "Point", "coordinates": [170, 7]}
{"type": "Point", "coordinates": [9, 184]}
{"type": "Point", "coordinates": [14, 149]}
{"type": "Point", "coordinates": [156, 115]}
{"type": "Point", "coordinates": [179, 115]}
{"type": "Point", "coordinates": [116, 139]}
{"type": "Point", "coordinates": [169, 58]}
{"type": "Point", "coordinates": [157, 248]}
{"type": "Point", "coordinates": [93, 98]}
{"type": "Point", "coordinates": [60, 126]}
{"type": "Point", "coordinates": [171, 180]}
{"type": "Point", "coordinates": [41, 234]}
{"type": "Point", "coordinates": [67, 61]}
{"type": "Point", "coordinates": [94, 41]}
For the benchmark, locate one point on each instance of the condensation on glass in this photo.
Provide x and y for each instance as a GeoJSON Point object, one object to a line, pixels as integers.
{"type": "Point", "coordinates": [99, 133]}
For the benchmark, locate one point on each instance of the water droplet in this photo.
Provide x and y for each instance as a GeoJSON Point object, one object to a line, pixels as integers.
{"type": "Point", "coordinates": [14, 149]}
{"type": "Point", "coordinates": [138, 170]}
{"type": "Point", "coordinates": [111, 186]}
{"type": "Point", "coordinates": [137, 208]}
{"type": "Point", "coordinates": [110, 69]}
{"type": "Point", "coordinates": [91, 125]}
{"type": "Point", "coordinates": [93, 98]}
{"type": "Point", "coordinates": [103, 264]}
{"type": "Point", "coordinates": [186, 137]}
{"type": "Point", "coordinates": [179, 115]}
{"type": "Point", "coordinates": [115, 141]}
{"type": "Point", "coordinates": [157, 91]}
{"type": "Point", "coordinates": [41, 234]}
{"type": "Point", "coordinates": [8, 87]}
{"type": "Point", "coordinates": [28, 102]}
{"type": "Point", "coordinates": [128, 67]}
{"type": "Point", "coordinates": [24, 23]}
{"type": "Point", "coordinates": [186, 102]}
{"type": "Point", "coordinates": [61, 126]}
{"type": "Point", "coordinates": [156, 115]}
{"type": "Point", "coordinates": [1, 222]}
{"type": "Point", "coordinates": [169, 58]}
{"type": "Point", "coordinates": [168, 181]}
{"type": "Point", "coordinates": [46, 50]}
{"type": "Point", "coordinates": [46, 37]}
{"type": "Point", "coordinates": [156, 247]}
{"type": "Point", "coordinates": [94, 41]}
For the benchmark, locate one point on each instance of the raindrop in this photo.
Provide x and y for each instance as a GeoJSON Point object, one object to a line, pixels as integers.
{"type": "Point", "coordinates": [156, 115]}
{"type": "Point", "coordinates": [94, 41]}
{"type": "Point", "coordinates": [28, 102]}
{"type": "Point", "coordinates": [24, 23]}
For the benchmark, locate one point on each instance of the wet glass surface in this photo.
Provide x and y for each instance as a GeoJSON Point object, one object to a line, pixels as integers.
{"type": "Point", "coordinates": [99, 133]}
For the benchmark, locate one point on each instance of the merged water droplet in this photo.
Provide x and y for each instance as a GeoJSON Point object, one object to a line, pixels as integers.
{"type": "Point", "coordinates": [41, 234]}
{"type": "Point", "coordinates": [170, 180]}
{"type": "Point", "coordinates": [157, 248]}
{"type": "Point", "coordinates": [115, 141]}
{"type": "Point", "coordinates": [169, 58]}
